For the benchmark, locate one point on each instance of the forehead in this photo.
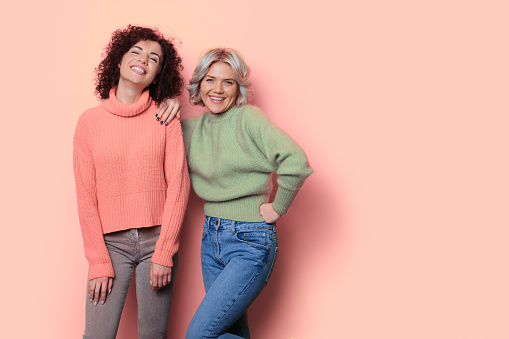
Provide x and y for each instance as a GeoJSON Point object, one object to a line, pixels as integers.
{"type": "Point", "coordinates": [220, 70]}
{"type": "Point", "coordinates": [149, 46]}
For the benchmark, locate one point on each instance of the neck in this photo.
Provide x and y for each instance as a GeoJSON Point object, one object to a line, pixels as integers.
{"type": "Point", "coordinates": [127, 93]}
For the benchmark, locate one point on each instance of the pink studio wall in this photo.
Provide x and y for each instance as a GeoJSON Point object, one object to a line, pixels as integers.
{"type": "Point", "coordinates": [401, 232]}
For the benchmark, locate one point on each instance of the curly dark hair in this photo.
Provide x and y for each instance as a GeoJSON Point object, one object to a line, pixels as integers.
{"type": "Point", "coordinates": [108, 72]}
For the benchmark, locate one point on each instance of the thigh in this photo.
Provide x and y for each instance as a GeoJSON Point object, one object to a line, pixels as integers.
{"type": "Point", "coordinates": [153, 306]}
{"type": "Point", "coordinates": [211, 266]}
{"type": "Point", "coordinates": [234, 289]}
{"type": "Point", "coordinates": [102, 320]}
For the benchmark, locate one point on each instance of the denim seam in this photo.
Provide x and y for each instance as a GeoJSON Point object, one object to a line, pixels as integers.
{"type": "Point", "coordinates": [271, 266]}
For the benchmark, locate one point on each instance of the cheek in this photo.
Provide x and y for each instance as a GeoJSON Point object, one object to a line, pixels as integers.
{"type": "Point", "coordinates": [234, 93]}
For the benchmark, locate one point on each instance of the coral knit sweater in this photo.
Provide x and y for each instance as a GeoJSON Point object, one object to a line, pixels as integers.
{"type": "Point", "coordinates": [130, 173]}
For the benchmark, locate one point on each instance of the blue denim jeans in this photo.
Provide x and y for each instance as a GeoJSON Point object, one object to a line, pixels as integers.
{"type": "Point", "coordinates": [237, 259]}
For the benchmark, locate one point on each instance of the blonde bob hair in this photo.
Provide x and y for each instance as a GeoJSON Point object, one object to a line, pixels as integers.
{"type": "Point", "coordinates": [229, 56]}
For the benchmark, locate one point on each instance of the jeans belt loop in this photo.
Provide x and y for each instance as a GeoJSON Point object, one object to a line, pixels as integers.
{"type": "Point", "coordinates": [233, 226]}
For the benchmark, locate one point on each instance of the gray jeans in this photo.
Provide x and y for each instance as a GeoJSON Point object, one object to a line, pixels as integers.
{"type": "Point", "coordinates": [129, 250]}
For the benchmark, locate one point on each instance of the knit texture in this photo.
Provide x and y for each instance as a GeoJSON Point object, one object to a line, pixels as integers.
{"type": "Point", "coordinates": [231, 157]}
{"type": "Point", "coordinates": [130, 172]}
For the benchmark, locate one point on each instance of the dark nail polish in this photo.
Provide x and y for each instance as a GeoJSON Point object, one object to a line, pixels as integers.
{"type": "Point", "coordinates": [161, 122]}
{"type": "Point", "coordinates": [157, 114]}
{"type": "Point", "coordinates": [166, 123]}
{"type": "Point", "coordinates": [158, 119]}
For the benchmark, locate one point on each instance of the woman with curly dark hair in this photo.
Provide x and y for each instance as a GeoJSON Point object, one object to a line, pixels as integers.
{"type": "Point", "coordinates": [132, 183]}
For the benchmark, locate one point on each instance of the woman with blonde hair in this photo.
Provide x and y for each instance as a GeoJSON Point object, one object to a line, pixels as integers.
{"type": "Point", "coordinates": [232, 149]}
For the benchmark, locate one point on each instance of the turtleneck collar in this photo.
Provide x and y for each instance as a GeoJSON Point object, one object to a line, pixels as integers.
{"type": "Point", "coordinates": [114, 106]}
{"type": "Point", "coordinates": [222, 116]}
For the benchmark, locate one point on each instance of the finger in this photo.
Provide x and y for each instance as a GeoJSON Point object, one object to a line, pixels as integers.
{"type": "Point", "coordinates": [170, 114]}
{"type": "Point", "coordinates": [168, 117]}
{"type": "Point", "coordinates": [110, 284]}
{"type": "Point", "coordinates": [155, 283]}
{"type": "Point", "coordinates": [161, 109]}
{"type": "Point", "coordinates": [153, 278]}
{"type": "Point", "coordinates": [91, 286]}
{"type": "Point", "coordinates": [166, 114]}
{"type": "Point", "coordinates": [104, 289]}
{"type": "Point", "coordinates": [165, 280]}
{"type": "Point", "coordinates": [97, 293]}
{"type": "Point", "coordinates": [159, 282]}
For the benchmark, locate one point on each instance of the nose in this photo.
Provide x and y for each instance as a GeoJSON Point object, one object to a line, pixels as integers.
{"type": "Point", "coordinates": [218, 87]}
{"type": "Point", "coordinates": [143, 59]}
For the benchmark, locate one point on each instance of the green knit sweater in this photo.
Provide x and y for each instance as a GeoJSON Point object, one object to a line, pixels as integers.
{"type": "Point", "coordinates": [231, 157]}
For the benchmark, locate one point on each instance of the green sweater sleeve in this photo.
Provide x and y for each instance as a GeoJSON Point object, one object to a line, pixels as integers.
{"type": "Point", "coordinates": [188, 125]}
{"type": "Point", "coordinates": [285, 156]}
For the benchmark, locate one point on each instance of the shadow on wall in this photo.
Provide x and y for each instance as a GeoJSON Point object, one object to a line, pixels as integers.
{"type": "Point", "coordinates": [302, 240]}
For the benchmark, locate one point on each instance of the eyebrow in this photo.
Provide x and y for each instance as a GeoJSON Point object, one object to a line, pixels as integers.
{"type": "Point", "coordinates": [141, 49]}
{"type": "Point", "coordinates": [211, 76]}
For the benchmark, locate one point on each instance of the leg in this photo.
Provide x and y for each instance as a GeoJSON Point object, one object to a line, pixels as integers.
{"type": "Point", "coordinates": [102, 320]}
{"type": "Point", "coordinates": [249, 256]}
{"type": "Point", "coordinates": [211, 269]}
{"type": "Point", "coordinates": [153, 306]}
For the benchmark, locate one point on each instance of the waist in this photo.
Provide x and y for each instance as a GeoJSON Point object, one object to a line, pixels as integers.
{"type": "Point", "coordinates": [226, 224]}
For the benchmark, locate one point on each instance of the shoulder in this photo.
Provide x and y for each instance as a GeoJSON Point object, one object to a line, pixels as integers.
{"type": "Point", "coordinates": [251, 112]}
{"type": "Point", "coordinates": [252, 117]}
{"type": "Point", "coordinates": [89, 116]}
{"type": "Point", "coordinates": [189, 122]}
{"type": "Point", "coordinates": [188, 127]}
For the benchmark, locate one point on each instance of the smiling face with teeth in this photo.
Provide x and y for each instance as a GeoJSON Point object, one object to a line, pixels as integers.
{"type": "Point", "coordinates": [140, 65]}
{"type": "Point", "coordinates": [218, 89]}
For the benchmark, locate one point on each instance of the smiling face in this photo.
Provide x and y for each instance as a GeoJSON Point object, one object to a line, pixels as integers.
{"type": "Point", "coordinates": [218, 89]}
{"type": "Point", "coordinates": [140, 65]}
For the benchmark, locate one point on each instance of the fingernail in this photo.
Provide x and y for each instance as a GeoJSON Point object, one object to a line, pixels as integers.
{"type": "Point", "coordinates": [150, 282]}
{"type": "Point", "coordinates": [102, 302]}
{"type": "Point", "coordinates": [109, 291]}
{"type": "Point", "coordinates": [90, 299]}
{"type": "Point", "coordinates": [95, 303]}
{"type": "Point", "coordinates": [157, 118]}
{"type": "Point", "coordinates": [157, 114]}
{"type": "Point", "coordinates": [166, 123]}
{"type": "Point", "coordinates": [161, 122]}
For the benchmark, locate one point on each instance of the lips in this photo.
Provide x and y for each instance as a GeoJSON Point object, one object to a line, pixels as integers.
{"type": "Point", "coordinates": [216, 100]}
{"type": "Point", "coordinates": [138, 70]}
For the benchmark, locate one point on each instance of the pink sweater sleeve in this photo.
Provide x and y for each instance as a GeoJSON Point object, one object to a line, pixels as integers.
{"type": "Point", "coordinates": [84, 174]}
{"type": "Point", "coordinates": [177, 194]}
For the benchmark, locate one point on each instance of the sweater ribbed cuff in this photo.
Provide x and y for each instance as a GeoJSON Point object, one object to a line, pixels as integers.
{"type": "Point", "coordinates": [162, 257]}
{"type": "Point", "coordinates": [283, 200]}
{"type": "Point", "coordinates": [101, 270]}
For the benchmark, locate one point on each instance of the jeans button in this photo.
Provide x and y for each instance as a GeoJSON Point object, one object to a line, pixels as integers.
{"type": "Point", "coordinates": [216, 222]}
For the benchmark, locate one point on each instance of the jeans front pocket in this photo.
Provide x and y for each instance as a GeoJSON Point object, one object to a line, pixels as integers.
{"type": "Point", "coordinates": [254, 238]}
